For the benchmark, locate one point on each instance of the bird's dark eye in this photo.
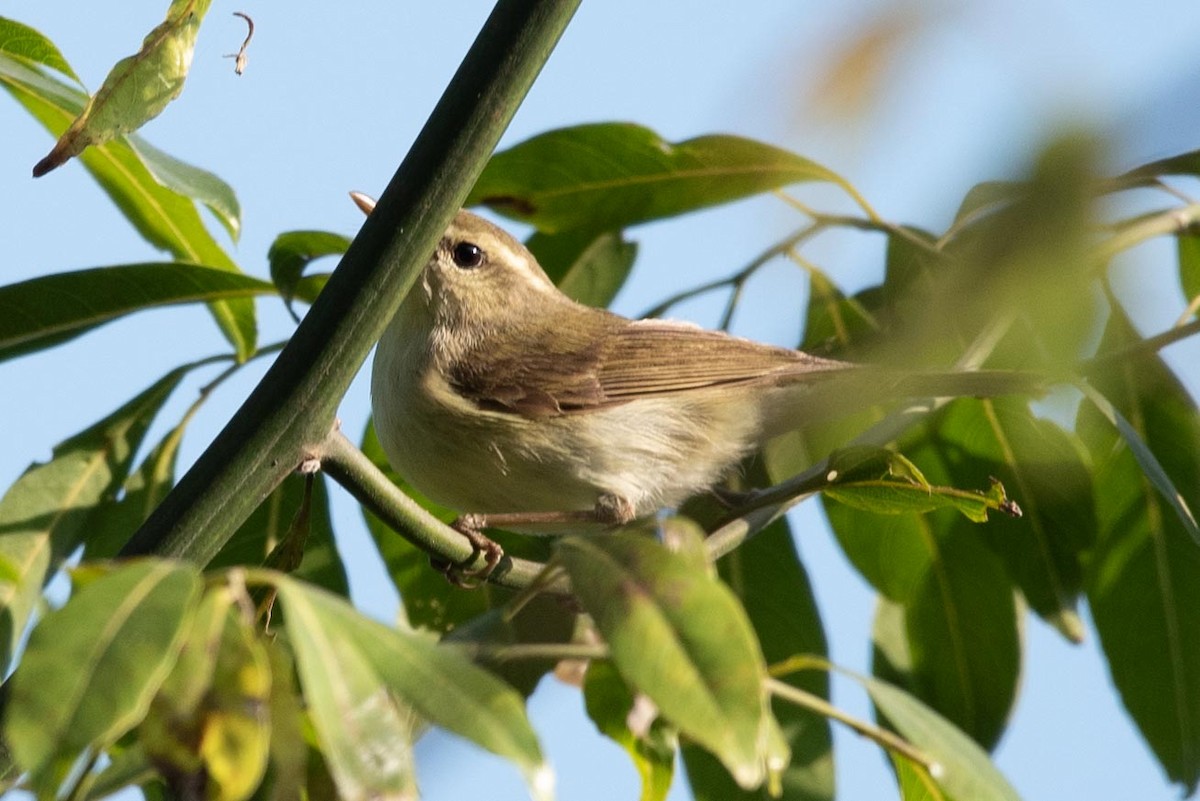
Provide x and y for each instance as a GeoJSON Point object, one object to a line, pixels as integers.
{"type": "Point", "coordinates": [467, 255]}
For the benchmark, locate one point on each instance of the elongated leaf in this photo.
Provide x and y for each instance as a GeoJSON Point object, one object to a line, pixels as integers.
{"type": "Point", "coordinates": [1183, 164]}
{"type": "Point", "coordinates": [899, 496]}
{"type": "Point", "coordinates": [959, 622]}
{"type": "Point", "coordinates": [963, 770]}
{"type": "Point", "coordinates": [787, 623]}
{"type": "Point", "coordinates": [606, 176]}
{"type": "Point", "coordinates": [609, 704]}
{"type": "Point", "coordinates": [28, 44]}
{"type": "Point", "coordinates": [705, 671]}
{"type": "Point", "coordinates": [291, 253]}
{"type": "Point", "coordinates": [441, 684]}
{"type": "Point", "coordinates": [1143, 580]}
{"type": "Point", "coordinates": [137, 88]}
{"type": "Point", "coordinates": [115, 520]}
{"type": "Point", "coordinates": [1189, 266]}
{"type": "Point", "coordinates": [45, 311]}
{"type": "Point", "coordinates": [92, 667]}
{"type": "Point", "coordinates": [45, 514]}
{"type": "Point", "coordinates": [191, 181]}
{"type": "Point", "coordinates": [166, 219]}
{"type": "Point", "coordinates": [589, 268]}
{"type": "Point", "coordinates": [288, 750]}
{"type": "Point", "coordinates": [365, 735]}
{"type": "Point", "coordinates": [1151, 467]}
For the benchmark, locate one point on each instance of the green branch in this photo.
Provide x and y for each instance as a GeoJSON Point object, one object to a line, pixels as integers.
{"type": "Point", "coordinates": [292, 409]}
{"type": "Point", "coordinates": [350, 467]}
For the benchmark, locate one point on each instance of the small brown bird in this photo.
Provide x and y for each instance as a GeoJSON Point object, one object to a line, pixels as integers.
{"type": "Point", "coordinates": [500, 397]}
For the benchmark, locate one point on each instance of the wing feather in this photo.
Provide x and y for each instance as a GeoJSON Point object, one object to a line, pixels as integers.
{"type": "Point", "coordinates": [606, 360]}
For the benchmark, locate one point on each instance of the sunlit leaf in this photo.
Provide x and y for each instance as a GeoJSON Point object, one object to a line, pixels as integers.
{"type": "Point", "coordinates": [92, 667]}
{"type": "Point", "coordinates": [163, 217]}
{"type": "Point", "coordinates": [590, 268]}
{"type": "Point", "coordinates": [890, 495]}
{"type": "Point", "coordinates": [962, 769]}
{"type": "Point", "coordinates": [191, 181]}
{"type": "Point", "coordinates": [116, 519]}
{"type": "Point", "coordinates": [26, 43]}
{"type": "Point", "coordinates": [45, 514]}
{"type": "Point", "coordinates": [705, 672]}
{"type": "Point", "coordinates": [365, 734]}
{"type": "Point", "coordinates": [45, 311]}
{"type": "Point", "coordinates": [438, 682]}
{"type": "Point", "coordinates": [609, 704]}
{"type": "Point", "coordinates": [787, 624]}
{"type": "Point", "coordinates": [137, 88]}
{"type": "Point", "coordinates": [606, 176]}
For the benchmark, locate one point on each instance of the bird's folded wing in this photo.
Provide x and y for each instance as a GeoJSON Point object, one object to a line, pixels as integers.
{"type": "Point", "coordinates": [615, 361]}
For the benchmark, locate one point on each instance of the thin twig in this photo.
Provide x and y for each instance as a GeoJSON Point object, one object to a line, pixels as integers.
{"type": "Point", "coordinates": [882, 737]}
{"type": "Point", "coordinates": [780, 248]}
{"type": "Point", "coordinates": [501, 652]}
{"type": "Point", "coordinates": [350, 467]}
{"type": "Point", "coordinates": [1148, 345]}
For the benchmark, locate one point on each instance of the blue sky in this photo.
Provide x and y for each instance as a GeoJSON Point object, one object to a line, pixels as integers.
{"type": "Point", "coordinates": [334, 94]}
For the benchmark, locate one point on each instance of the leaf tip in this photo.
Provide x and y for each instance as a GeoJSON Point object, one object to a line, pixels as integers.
{"type": "Point", "coordinates": [541, 782]}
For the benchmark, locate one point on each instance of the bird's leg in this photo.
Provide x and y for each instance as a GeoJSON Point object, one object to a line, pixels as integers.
{"type": "Point", "coordinates": [610, 510]}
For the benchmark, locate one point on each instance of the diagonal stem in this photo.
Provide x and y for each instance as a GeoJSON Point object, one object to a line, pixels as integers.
{"type": "Point", "coordinates": [292, 408]}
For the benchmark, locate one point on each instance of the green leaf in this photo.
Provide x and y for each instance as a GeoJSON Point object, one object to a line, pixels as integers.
{"type": "Point", "coordinates": [46, 311]}
{"type": "Point", "coordinates": [115, 520]}
{"type": "Point", "coordinates": [163, 217]}
{"type": "Point", "coordinates": [291, 253]}
{"type": "Point", "coordinates": [26, 43]}
{"type": "Point", "coordinates": [963, 770]}
{"type": "Point", "coordinates": [606, 176]}
{"type": "Point", "coordinates": [190, 181]}
{"type": "Point", "coordinates": [705, 672]}
{"type": "Point", "coordinates": [138, 88]}
{"type": "Point", "coordinates": [365, 733]}
{"type": "Point", "coordinates": [895, 496]}
{"type": "Point", "coordinates": [209, 724]}
{"type": "Point", "coordinates": [269, 525]}
{"type": "Point", "coordinates": [787, 623]}
{"type": "Point", "coordinates": [589, 268]}
{"type": "Point", "coordinates": [1189, 266]}
{"type": "Point", "coordinates": [1046, 468]}
{"type": "Point", "coordinates": [1182, 164]}
{"type": "Point", "coordinates": [438, 682]}
{"type": "Point", "coordinates": [609, 703]}
{"type": "Point", "coordinates": [1149, 463]}
{"type": "Point", "coordinates": [47, 512]}
{"type": "Point", "coordinates": [1143, 579]}
{"type": "Point", "coordinates": [288, 749]}
{"type": "Point", "coordinates": [960, 623]}
{"type": "Point", "coordinates": [92, 667]}
{"type": "Point", "coordinates": [988, 196]}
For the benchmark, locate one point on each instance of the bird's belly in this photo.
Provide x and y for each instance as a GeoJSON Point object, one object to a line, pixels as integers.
{"type": "Point", "coordinates": [646, 452]}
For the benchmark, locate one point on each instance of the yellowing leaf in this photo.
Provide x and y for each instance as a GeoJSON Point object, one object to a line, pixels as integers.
{"type": "Point", "coordinates": [137, 88]}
